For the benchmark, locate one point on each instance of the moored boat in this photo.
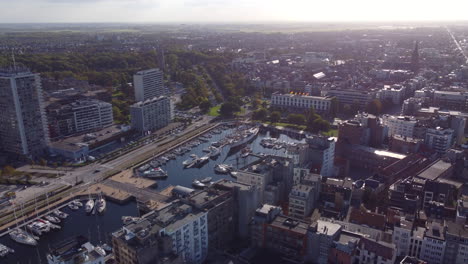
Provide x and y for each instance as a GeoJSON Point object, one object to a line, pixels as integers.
{"type": "Point", "coordinates": [89, 206]}
{"type": "Point", "coordinates": [22, 237]}
{"type": "Point", "coordinates": [101, 205]}
{"type": "Point", "coordinates": [198, 184]}
{"type": "Point", "coordinates": [206, 180]}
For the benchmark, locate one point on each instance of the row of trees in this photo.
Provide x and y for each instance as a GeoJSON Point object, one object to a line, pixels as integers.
{"type": "Point", "coordinates": [313, 121]}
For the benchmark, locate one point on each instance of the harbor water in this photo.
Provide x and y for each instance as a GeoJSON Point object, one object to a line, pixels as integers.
{"type": "Point", "coordinates": [98, 227]}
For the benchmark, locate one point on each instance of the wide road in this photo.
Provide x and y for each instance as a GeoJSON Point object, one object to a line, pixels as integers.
{"type": "Point", "coordinates": [457, 44]}
{"type": "Point", "coordinates": [96, 172]}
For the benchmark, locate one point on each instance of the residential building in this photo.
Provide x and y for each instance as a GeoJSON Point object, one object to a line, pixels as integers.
{"type": "Point", "coordinates": [301, 102]}
{"type": "Point", "coordinates": [263, 216]}
{"type": "Point", "coordinates": [284, 235]}
{"type": "Point", "coordinates": [374, 251]}
{"type": "Point", "coordinates": [220, 207]}
{"type": "Point", "coordinates": [433, 244]}
{"type": "Point", "coordinates": [246, 201]}
{"type": "Point", "coordinates": [439, 139]}
{"type": "Point", "coordinates": [343, 249]}
{"type": "Point", "coordinates": [351, 97]}
{"type": "Point", "coordinates": [75, 250]}
{"type": "Point", "coordinates": [451, 100]}
{"type": "Point", "coordinates": [456, 247]}
{"type": "Point", "coordinates": [148, 84]}
{"type": "Point", "coordinates": [301, 201]}
{"type": "Point", "coordinates": [79, 117]}
{"type": "Point", "coordinates": [400, 125]}
{"type": "Point", "coordinates": [364, 217]}
{"type": "Point", "coordinates": [401, 236]}
{"type": "Point", "coordinates": [24, 131]}
{"type": "Point", "coordinates": [321, 155]}
{"type": "Point", "coordinates": [393, 93]}
{"type": "Point", "coordinates": [321, 237]}
{"type": "Point", "coordinates": [176, 229]}
{"type": "Point", "coordinates": [416, 241]}
{"type": "Point", "coordinates": [151, 114]}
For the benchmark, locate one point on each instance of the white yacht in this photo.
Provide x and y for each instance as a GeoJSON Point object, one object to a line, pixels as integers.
{"type": "Point", "coordinates": [101, 205]}
{"type": "Point", "coordinates": [190, 162]}
{"type": "Point", "coordinates": [22, 237]}
{"type": "Point", "coordinates": [89, 206]}
{"type": "Point", "coordinates": [52, 219]}
{"type": "Point", "coordinates": [155, 173]}
{"type": "Point", "coordinates": [60, 214]}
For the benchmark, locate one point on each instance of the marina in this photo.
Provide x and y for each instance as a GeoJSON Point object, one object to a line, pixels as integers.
{"type": "Point", "coordinates": [201, 163]}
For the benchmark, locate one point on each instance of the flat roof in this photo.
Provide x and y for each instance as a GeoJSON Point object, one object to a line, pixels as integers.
{"type": "Point", "coordinates": [435, 170]}
{"type": "Point", "coordinates": [292, 224]}
{"type": "Point", "coordinates": [327, 228]}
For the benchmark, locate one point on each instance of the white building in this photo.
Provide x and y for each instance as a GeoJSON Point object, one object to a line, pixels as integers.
{"type": "Point", "coordinates": [151, 114]}
{"type": "Point", "coordinates": [256, 179]}
{"type": "Point", "coordinates": [301, 201]}
{"type": "Point", "coordinates": [148, 84]}
{"type": "Point", "coordinates": [401, 236]}
{"type": "Point", "coordinates": [301, 101]}
{"type": "Point", "coordinates": [91, 114]}
{"type": "Point", "coordinates": [322, 153]}
{"type": "Point", "coordinates": [321, 236]}
{"type": "Point", "coordinates": [189, 236]}
{"type": "Point", "coordinates": [350, 97]}
{"type": "Point", "coordinates": [433, 244]}
{"type": "Point", "coordinates": [416, 240]}
{"type": "Point", "coordinates": [439, 139]}
{"type": "Point", "coordinates": [394, 93]}
{"type": "Point", "coordinates": [399, 125]}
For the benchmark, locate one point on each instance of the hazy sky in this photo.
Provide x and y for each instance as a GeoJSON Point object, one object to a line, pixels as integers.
{"type": "Point", "coordinates": [14, 11]}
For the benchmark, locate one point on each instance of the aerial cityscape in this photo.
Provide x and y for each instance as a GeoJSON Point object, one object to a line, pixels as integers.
{"type": "Point", "coordinates": [212, 139]}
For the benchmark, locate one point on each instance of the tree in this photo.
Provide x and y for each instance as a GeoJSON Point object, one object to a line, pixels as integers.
{"type": "Point", "coordinates": [256, 103]}
{"type": "Point", "coordinates": [260, 114]}
{"type": "Point", "coordinates": [374, 107]}
{"type": "Point", "coordinates": [275, 117]}
{"type": "Point", "coordinates": [205, 105]}
{"type": "Point", "coordinates": [228, 109]}
{"type": "Point", "coordinates": [8, 170]}
{"type": "Point", "coordinates": [296, 119]}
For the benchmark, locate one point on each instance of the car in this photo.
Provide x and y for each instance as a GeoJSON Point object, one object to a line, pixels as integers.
{"type": "Point", "coordinates": [96, 171]}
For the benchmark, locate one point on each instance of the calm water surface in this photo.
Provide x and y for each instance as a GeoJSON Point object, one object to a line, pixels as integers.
{"type": "Point", "coordinates": [98, 227]}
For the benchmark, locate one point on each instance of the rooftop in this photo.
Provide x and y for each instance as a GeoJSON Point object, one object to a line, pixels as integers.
{"type": "Point", "coordinates": [435, 170]}
{"type": "Point", "coordinates": [435, 230]}
{"type": "Point", "coordinates": [327, 228]}
{"type": "Point", "coordinates": [291, 224]}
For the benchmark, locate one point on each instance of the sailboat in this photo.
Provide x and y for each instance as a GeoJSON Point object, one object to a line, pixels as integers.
{"type": "Point", "coordinates": [20, 236]}
{"type": "Point", "coordinates": [101, 204]}
{"type": "Point", "coordinates": [89, 205]}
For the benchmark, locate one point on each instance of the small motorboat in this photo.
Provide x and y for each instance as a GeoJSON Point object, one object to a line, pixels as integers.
{"type": "Point", "coordinates": [73, 206]}
{"type": "Point", "coordinates": [198, 184]}
{"type": "Point", "coordinates": [52, 219]}
{"type": "Point", "coordinates": [4, 250]}
{"type": "Point", "coordinates": [60, 214]}
{"type": "Point", "coordinates": [89, 206]}
{"type": "Point", "coordinates": [206, 180]}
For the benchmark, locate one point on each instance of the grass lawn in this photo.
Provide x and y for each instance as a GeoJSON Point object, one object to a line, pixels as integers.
{"type": "Point", "coordinates": [214, 110]}
{"type": "Point", "coordinates": [331, 133]}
